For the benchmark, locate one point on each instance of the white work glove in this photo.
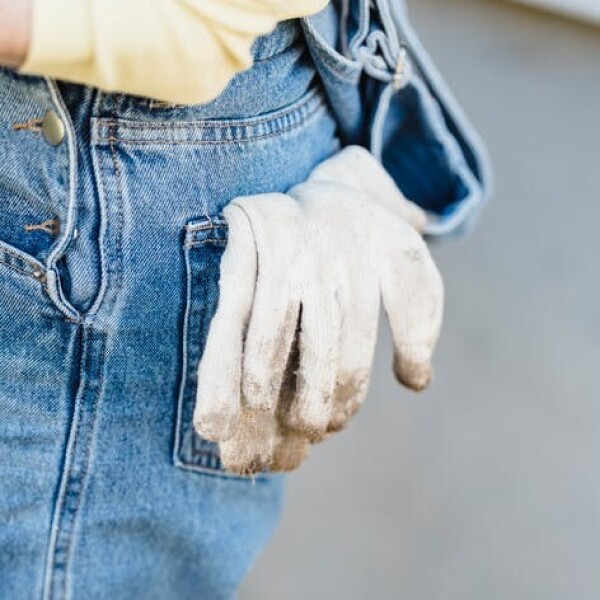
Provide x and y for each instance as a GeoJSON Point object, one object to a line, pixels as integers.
{"type": "Point", "coordinates": [289, 351]}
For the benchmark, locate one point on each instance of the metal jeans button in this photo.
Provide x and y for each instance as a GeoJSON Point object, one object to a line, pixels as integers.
{"type": "Point", "coordinates": [53, 129]}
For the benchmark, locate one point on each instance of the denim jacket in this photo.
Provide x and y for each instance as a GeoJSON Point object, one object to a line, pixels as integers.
{"type": "Point", "coordinates": [388, 95]}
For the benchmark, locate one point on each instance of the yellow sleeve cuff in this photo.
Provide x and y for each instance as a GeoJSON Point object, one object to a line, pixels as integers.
{"type": "Point", "coordinates": [61, 34]}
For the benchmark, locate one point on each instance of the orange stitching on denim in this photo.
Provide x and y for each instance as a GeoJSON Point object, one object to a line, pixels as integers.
{"type": "Point", "coordinates": [51, 226]}
{"type": "Point", "coordinates": [31, 125]}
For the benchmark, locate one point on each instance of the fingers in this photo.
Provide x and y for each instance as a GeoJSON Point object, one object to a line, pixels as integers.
{"type": "Point", "coordinates": [357, 346]}
{"type": "Point", "coordinates": [266, 352]}
{"type": "Point", "coordinates": [291, 450]}
{"type": "Point", "coordinates": [261, 443]}
{"type": "Point", "coordinates": [291, 447]}
{"type": "Point", "coordinates": [275, 309]}
{"type": "Point", "coordinates": [312, 406]}
{"type": "Point", "coordinates": [350, 393]}
{"type": "Point", "coordinates": [217, 408]}
{"type": "Point", "coordinates": [270, 335]}
{"type": "Point", "coordinates": [250, 450]}
{"type": "Point", "coordinates": [413, 297]}
{"type": "Point", "coordinates": [356, 342]}
{"type": "Point", "coordinates": [264, 441]}
{"type": "Point", "coordinates": [289, 353]}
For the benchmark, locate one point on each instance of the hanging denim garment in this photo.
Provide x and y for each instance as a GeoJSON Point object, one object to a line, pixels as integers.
{"type": "Point", "coordinates": [387, 95]}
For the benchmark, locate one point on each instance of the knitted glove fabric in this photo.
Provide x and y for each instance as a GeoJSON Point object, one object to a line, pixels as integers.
{"type": "Point", "coordinates": [289, 352]}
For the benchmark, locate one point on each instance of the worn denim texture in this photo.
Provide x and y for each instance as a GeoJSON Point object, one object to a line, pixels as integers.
{"type": "Point", "coordinates": [105, 490]}
{"type": "Point", "coordinates": [408, 117]}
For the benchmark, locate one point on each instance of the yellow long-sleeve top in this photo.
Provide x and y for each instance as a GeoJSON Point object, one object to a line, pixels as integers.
{"type": "Point", "coordinates": [180, 51]}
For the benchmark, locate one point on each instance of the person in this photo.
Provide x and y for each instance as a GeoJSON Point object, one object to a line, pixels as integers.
{"type": "Point", "coordinates": [193, 247]}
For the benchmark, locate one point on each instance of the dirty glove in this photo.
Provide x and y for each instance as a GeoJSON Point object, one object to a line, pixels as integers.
{"type": "Point", "coordinates": [289, 351]}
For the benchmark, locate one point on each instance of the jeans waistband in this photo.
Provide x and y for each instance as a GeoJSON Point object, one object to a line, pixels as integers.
{"type": "Point", "coordinates": [32, 94]}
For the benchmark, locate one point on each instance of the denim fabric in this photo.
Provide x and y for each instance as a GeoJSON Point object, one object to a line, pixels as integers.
{"type": "Point", "coordinates": [110, 244]}
{"type": "Point", "coordinates": [388, 96]}
{"type": "Point", "coordinates": [105, 490]}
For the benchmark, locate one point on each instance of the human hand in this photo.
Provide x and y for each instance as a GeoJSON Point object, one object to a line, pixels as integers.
{"type": "Point", "coordinates": [289, 352]}
{"type": "Point", "coordinates": [15, 27]}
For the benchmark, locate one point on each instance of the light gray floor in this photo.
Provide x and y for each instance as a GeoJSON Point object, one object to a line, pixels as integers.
{"type": "Point", "coordinates": [488, 486]}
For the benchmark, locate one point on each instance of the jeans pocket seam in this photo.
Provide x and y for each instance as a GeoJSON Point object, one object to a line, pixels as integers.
{"type": "Point", "coordinates": [211, 132]}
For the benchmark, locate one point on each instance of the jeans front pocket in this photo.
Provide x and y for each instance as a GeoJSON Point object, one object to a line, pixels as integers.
{"type": "Point", "coordinates": [204, 243]}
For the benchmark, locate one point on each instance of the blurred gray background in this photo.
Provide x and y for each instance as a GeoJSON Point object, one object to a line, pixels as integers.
{"type": "Point", "coordinates": [487, 486]}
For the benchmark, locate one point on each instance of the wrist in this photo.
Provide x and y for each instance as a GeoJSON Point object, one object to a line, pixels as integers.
{"type": "Point", "coordinates": [15, 31]}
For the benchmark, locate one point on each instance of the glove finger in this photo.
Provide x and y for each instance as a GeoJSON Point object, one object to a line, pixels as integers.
{"type": "Point", "coordinates": [291, 450]}
{"type": "Point", "coordinates": [413, 297]}
{"type": "Point", "coordinates": [274, 219]}
{"type": "Point", "coordinates": [268, 342]}
{"type": "Point", "coordinates": [312, 406]}
{"type": "Point", "coordinates": [263, 441]}
{"type": "Point", "coordinates": [217, 408]}
{"type": "Point", "coordinates": [250, 450]}
{"type": "Point", "coordinates": [291, 447]}
{"type": "Point", "coordinates": [357, 346]}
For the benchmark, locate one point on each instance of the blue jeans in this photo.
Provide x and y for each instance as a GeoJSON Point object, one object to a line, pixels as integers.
{"type": "Point", "coordinates": [110, 241]}
{"type": "Point", "coordinates": [387, 94]}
